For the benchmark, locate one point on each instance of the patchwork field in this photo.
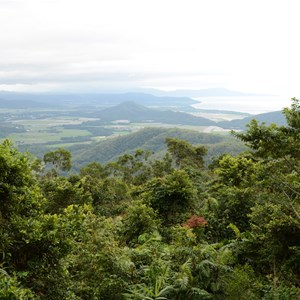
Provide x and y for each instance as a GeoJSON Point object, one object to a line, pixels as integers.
{"type": "Point", "coordinates": [53, 132]}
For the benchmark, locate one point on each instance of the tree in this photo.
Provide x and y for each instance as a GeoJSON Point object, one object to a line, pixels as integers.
{"type": "Point", "coordinates": [99, 266]}
{"type": "Point", "coordinates": [185, 154]}
{"type": "Point", "coordinates": [132, 169]}
{"type": "Point", "coordinates": [32, 242]}
{"type": "Point", "coordinates": [275, 141]}
{"type": "Point", "coordinates": [275, 213]}
{"type": "Point", "coordinates": [139, 219]}
{"type": "Point", "coordinates": [94, 170]}
{"type": "Point", "coordinates": [61, 192]}
{"type": "Point", "coordinates": [231, 188]}
{"type": "Point", "coordinates": [172, 196]}
{"type": "Point", "coordinates": [60, 159]}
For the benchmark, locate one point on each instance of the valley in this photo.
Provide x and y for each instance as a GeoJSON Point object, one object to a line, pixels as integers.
{"type": "Point", "coordinates": [79, 123]}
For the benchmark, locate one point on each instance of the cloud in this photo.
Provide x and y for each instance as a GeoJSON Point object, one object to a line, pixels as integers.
{"type": "Point", "coordinates": [249, 46]}
{"type": "Point", "coordinates": [38, 74]}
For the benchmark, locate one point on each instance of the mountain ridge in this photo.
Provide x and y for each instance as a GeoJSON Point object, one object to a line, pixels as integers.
{"type": "Point", "coordinates": [137, 113]}
{"type": "Point", "coordinates": [276, 117]}
{"type": "Point", "coordinates": [104, 99]}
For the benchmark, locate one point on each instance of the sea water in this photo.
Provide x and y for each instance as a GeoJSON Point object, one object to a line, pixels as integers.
{"type": "Point", "coordinates": [249, 104]}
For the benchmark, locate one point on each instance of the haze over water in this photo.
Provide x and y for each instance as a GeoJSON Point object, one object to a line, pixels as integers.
{"type": "Point", "coordinates": [252, 105]}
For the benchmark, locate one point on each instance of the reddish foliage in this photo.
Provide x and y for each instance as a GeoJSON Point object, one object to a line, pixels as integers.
{"type": "Point", "coordinates": [195, 221]}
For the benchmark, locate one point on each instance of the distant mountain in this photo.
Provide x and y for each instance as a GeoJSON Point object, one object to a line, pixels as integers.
{"type": "Point", "coordinates": [210, 92]}
{"type": "Point", "coordinates": [144, 96]}
{"type": "Point", "coordinates": [272, 117]}
{"type": "Point", "coordinates": [21, 104]}
{"type": "Point", "coordinates": [96, 99]}
{"type": "Point", "coordinates": [137, 113]}
{"type": "Point", "coordinates": [144, 99]}
{"type": "Point", "coordinates": [149, 139]}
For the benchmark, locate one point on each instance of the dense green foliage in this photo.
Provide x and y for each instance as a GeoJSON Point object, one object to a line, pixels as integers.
{"type": "Point", "coordinates": [155, 228]}
{"type": "Point", "coordinates": [152, 139]}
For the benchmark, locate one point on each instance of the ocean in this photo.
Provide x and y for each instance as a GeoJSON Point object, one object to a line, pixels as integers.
{"type": "Point", "coordinates": [249, 104]}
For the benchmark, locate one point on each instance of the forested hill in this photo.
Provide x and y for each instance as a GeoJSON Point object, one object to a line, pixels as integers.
{"type": "Point", "coordinates": [276, 117]}
{"type": "Point", "coordinates": [137, 113]}
{"type": "Point", "coordinates": [134, 112]}
{"type": "Point", "coordinates": [150, 139]}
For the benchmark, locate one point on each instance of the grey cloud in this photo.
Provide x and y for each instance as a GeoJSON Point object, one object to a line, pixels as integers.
{"type": "Point", "coordinates": [9, 2]}
{"type": "Point", "coordinates": [36, 76]}
{"type": "Point", "coordinates": [11, 78]}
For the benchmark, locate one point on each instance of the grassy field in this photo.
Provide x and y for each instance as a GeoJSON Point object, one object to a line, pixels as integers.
{"type": "Point", "coordinates": [50, 122]}
{"type": "Point", "coordinates": [48, 130]}
{"type": "Point", "coordinates": [37, 135]}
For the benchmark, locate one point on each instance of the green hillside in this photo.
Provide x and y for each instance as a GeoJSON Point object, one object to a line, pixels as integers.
{"type": "Point", "coordinates": [149, 139]}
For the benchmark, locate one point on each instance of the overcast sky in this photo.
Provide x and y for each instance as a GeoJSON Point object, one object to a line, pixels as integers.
{"type": "Point", "coordinates": [76, 45]}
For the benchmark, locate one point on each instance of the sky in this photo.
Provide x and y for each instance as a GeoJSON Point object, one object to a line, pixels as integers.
{"type": "Point", "coordinates": [93, 45]}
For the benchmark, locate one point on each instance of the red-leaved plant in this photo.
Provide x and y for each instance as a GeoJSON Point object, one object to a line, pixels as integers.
{"type": "Point", "coordinates": [195, 221]}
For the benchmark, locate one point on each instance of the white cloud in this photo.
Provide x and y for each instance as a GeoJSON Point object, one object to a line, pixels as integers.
{"type": "Point", "coordinates": [249, 46]}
